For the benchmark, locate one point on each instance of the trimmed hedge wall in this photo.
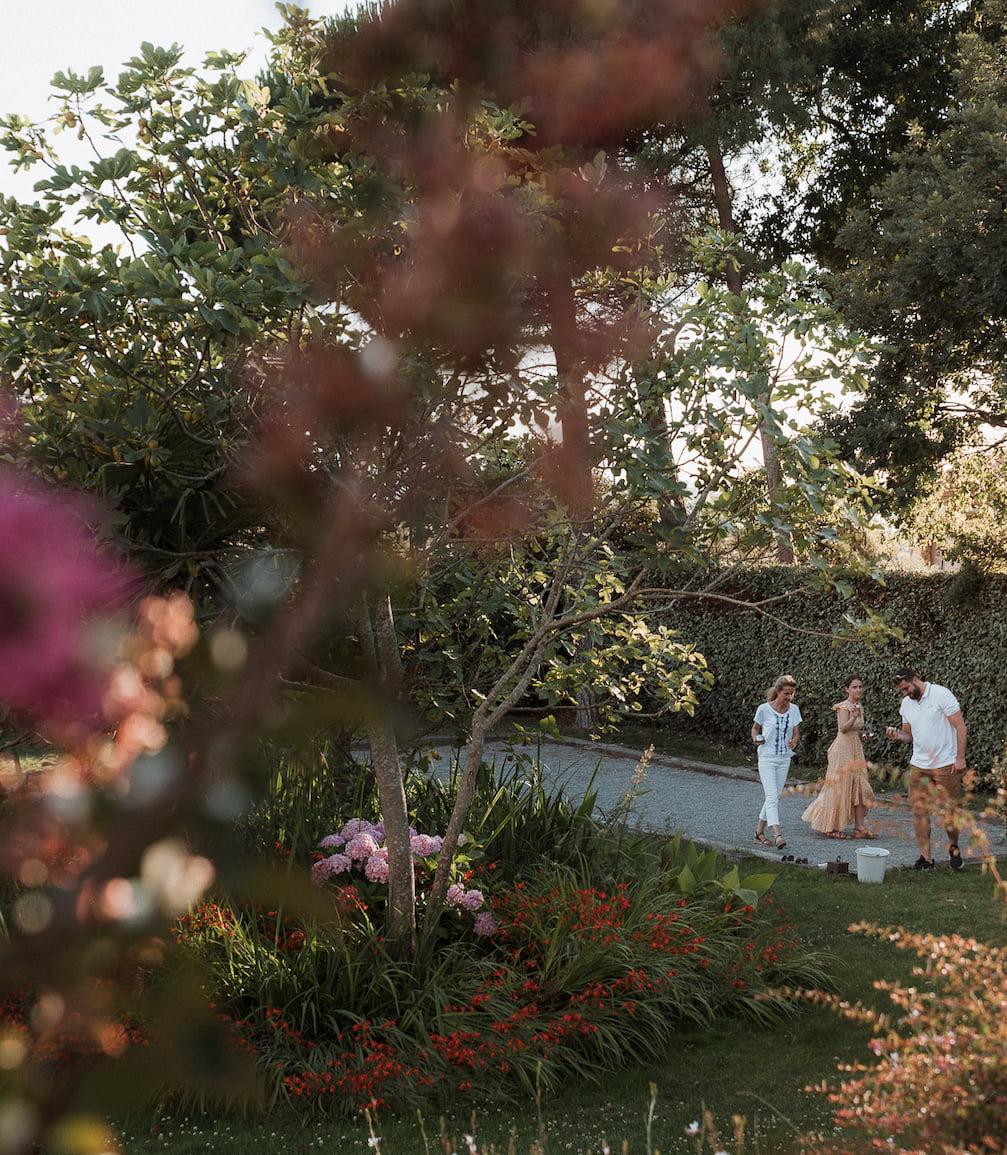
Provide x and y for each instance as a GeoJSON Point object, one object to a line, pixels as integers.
{"type": "Point", "coordinates": [955, 634]}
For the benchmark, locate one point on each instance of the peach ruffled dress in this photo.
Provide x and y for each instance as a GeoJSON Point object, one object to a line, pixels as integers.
{"type": "Point", "coordinates": [845, 783]}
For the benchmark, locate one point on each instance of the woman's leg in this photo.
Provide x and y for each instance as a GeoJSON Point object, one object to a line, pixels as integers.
{"type": "Point", "coordinates": [859, 829]}
{"type": "Point", "coordinates": [769, 775]}
{"type": "Point", "coordinates": [782, 770]}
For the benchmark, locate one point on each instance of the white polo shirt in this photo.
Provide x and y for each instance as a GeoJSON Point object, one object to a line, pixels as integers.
{"type": "Point", "coordinates": [935, 742]}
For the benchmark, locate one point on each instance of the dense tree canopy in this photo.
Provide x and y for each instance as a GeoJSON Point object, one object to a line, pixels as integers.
{"type": "Point", "coordinates": [927, 259]}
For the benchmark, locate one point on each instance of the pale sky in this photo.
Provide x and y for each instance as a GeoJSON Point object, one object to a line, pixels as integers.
{"type": "Point", "coordinates": [42, 37]}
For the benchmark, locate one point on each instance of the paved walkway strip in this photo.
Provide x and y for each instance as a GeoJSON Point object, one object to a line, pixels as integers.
{"type": "Point", "coordinates": [715, 805]}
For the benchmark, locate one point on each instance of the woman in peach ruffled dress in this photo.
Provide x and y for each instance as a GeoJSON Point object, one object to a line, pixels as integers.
{"type": "Point", "coordinates": [846, 794]}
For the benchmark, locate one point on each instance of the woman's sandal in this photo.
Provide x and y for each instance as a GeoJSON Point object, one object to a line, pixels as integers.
{"type": "Point", "coordinates": [762, 839]}
{"type": "Point", "coordinates": [858, 833]}
{"type": "Point", "coordinates": [780, 842]}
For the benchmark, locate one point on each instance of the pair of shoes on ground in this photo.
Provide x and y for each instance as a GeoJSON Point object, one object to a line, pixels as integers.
{"type": "Point", "coordinates": [954, 860]}
{"type": "Point", "coordinates": [795, 861]}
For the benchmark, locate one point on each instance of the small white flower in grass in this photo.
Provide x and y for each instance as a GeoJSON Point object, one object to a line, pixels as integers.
{"type": "Point", "coordinates": [693, 1128]}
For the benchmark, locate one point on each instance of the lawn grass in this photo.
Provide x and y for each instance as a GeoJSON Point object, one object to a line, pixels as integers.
{"type": "Point", "coordinates": [733, 1068]}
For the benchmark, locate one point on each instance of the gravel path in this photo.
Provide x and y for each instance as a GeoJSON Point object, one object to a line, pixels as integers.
{"type": "Point", "coordinates": [717, 805]}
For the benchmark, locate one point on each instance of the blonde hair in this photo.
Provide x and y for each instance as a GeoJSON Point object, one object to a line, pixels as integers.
{"type": "Point", "coordinates": [777, 686]}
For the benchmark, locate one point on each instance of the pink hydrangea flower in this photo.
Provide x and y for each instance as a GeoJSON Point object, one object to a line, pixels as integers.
{"type": "Point", "coordinates": [485, 924]}
{"type": "Point", "coordinates": [56, 585]}
{"type": "Point", "coordinates": [327, 867]}
{"type": "Point", "coordinates": [471, 900]}
{"type": "Point", "coordinates": [357, 826]}
{"type": "Point", "coordinates": [361, 846]}
{"type": "Point", "coordinates": [454, 895]}
{"type": "Point", "coordinates": [424, 845]}
{"type": "Point", "coordinates": [376, 868]}
{"type": "Point", "coordinates": [331, 842]}
{"type": "Point", "coordinates": [337, 864]}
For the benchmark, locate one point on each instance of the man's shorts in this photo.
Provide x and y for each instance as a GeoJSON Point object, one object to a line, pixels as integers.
{"type": "Point", "coordinates": [939, 784]}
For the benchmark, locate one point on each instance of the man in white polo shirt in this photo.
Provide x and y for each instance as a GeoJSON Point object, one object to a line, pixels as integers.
{"type": "Point", "coordinates": [932, 720]}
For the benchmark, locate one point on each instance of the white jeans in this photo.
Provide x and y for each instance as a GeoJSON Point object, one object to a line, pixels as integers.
{"type": "Point", "coordinates": [773, 770]}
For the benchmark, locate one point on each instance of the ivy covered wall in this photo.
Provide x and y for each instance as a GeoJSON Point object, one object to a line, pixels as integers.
{"type": "Point", "coordinates": [955, 629]}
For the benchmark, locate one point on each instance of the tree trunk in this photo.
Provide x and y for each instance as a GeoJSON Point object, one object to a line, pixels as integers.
{"type": "Point", "coordinates": [587, 709]}
{"type": "Point", "coordinates": [381, 653]}
{"type": "Point", "coordinates": [771, 459]}
{"type": "Point", "coordinates": [401, 925]}
{"type": "Point", "coordinates": [456, 823]}
{"type": "Point", "coordinates": [509, 687]}
{"type": "Point", "coordinates": [573, 416]}
{"type": "Point", "coordinates": [575, 474]}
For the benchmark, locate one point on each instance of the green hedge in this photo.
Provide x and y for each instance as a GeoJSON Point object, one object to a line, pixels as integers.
{"type": "Point", "coordinates": [955, 634]}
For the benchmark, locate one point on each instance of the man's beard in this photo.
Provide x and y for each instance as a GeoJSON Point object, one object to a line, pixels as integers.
{"type": "Point", "coordinates": [915, 693]}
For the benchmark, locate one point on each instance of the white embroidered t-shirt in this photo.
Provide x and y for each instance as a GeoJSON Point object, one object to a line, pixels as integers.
{"type": "Point", "coordinates": [777, 729]}
{"type": "Point", "coordinates": [935, 742]}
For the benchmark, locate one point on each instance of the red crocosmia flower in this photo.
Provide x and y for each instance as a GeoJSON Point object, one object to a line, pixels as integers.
{"type": "Point", "coordinates": [56, 587]}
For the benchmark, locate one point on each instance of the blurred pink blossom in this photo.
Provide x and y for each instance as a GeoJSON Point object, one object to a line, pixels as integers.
{"type": "Point", "coordinates": [331, 842]}
{"type": "Point", "coordinates": [56, 587]}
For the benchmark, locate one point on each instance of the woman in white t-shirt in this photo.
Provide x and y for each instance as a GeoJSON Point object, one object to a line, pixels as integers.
{"type": "Point", "coordinates": [776, 731]}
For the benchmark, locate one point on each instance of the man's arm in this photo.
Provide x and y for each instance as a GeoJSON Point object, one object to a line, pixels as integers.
{"type": "Point", "coordinates": [957, 720]}
{"type": "Point", "coordinates": [897, 735]}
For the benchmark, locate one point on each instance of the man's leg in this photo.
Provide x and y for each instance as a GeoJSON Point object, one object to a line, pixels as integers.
{"type": "Point", "coordinates": [950, 789]}
{"type": "Point", "coordinates": [920, 790]}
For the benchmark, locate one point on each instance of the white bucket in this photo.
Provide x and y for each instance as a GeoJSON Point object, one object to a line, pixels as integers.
{"type": "Point", "coordinates": [871, 863]}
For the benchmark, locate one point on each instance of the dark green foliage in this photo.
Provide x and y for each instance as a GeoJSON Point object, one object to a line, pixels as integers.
{"type": "Point", "coordinates": [958, 642]}
{"type": "Point", "coordinates": [927, 270]}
